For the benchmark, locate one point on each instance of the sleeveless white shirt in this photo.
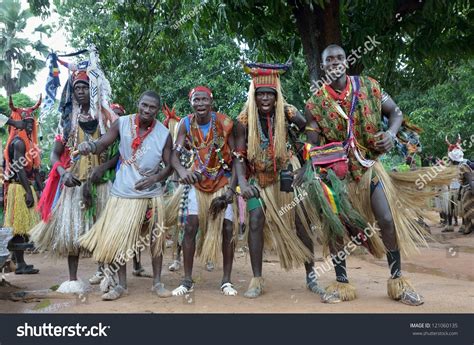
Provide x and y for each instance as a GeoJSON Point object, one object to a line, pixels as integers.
{"type": "Point", "coordinates": [146, 159]}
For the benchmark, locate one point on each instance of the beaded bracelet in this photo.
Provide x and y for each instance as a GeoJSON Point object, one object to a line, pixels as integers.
{"type": "Point", "coordinates": [178, 148]}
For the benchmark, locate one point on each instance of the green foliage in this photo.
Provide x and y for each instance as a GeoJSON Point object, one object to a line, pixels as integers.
{"type": "Point", "coordinates": [19, 62]}
{"type": "Point", "coordinates": [423, 58]}
{"type": "Point", "coordinates": [47, 131]}
{"type": "Point", "coordinates": [166, 59]}
{"type": "Point", "coordinates": [444, 109]}
{"type": "Point", "coordinates": [20, 100]}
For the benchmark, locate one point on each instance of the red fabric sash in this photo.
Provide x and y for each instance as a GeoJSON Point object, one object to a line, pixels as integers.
{"type": "Point", "coordinates": [49, 192]}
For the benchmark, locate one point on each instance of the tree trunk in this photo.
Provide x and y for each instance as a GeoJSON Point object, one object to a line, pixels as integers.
{"type": "Point", "coordinates": [9, 83]}
{"type": "Point", "coordinates": [318, 28]}
{"type": "Point", "coordinates": [11, 86]}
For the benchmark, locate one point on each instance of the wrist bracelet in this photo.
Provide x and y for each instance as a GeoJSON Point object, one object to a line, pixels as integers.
{"type": "Point", "coordinates": [393, 136]}
{"type": "Point", "coordinates": [178, 148]}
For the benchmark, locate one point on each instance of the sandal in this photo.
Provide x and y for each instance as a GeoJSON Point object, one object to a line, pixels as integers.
{"type": "Point", "coordinates": [28, 269]}
{"type": "Point", "coordinates": [96, 278]}
{"type": "Point", "coordinates": [183, 289]}
{"type": "Point", "coordinates": [255, 288]}
{"type": "Point", "coordinates": [160, 290]}
{"type": "Point", "coordinates": [401, 290]}
{"type": "Point", "coordinates": [73, 286]}
{"type": "Point", "coordinates": [142, 273]}
{"type": "Point", "coordinates": [175, 266]}
{"type": "Point", "coordinates": [114, 294]}
{"type": "Point", "coordinates": [411, 297]}
{"type": "Point", "coordinates": [228, 289]}
{"type": "Point", "coordinates": [331, 297]}
{"type": "Point", "coordinates": [108, 283]}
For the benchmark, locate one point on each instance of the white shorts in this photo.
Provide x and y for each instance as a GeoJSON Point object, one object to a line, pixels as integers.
{"type": "Point", "coordinates": [193, 207]}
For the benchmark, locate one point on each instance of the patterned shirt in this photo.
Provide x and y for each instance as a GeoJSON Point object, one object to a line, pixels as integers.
{"type": "Point", "coordinates": [367, 118]}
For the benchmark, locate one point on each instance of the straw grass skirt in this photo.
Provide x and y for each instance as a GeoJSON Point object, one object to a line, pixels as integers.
{"type": "Point", "coordinates": [126, 227]}
{"type": "Point", "coordinates": [17, 215]}
{"type": "Point", "coordinates": [209, 240]}
{"type": "Point", "coordinates": [60, 236]}
{"type": "Point", "coordinates": [279, 230]}
{"type": "Point", "coordinates": [405, 204]}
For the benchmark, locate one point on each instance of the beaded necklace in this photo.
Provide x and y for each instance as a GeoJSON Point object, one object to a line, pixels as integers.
{"type": "Point", "coordinates": [267, 144]}
{"type": "Point", "coordinates": [203, 166]}
{"type": "Point", "coordinates": [264, 141]}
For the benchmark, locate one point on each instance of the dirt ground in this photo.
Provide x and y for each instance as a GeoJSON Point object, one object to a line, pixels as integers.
{"type": "Point", "coordinates": [442, 273]}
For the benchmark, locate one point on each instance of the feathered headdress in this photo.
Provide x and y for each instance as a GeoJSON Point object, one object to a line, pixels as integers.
{"type": "Point", "coordinates": [99, 88]}
{"type": "Point", "coordinates": [171, 120]}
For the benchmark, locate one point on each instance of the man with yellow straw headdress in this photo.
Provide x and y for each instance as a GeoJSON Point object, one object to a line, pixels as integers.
{"type": "Point", "coordinates": [134, 215]}
{"type": "Point", "coordinates": [264, 165]}
{"type": "Point", "coordinates": [76, 191]}
{"type": "Point", "coordinates": [344, 117]}
{"type": "Point", "coordinates": [208, 204]}
{"type": "Point", "coordinates": [22, 180]}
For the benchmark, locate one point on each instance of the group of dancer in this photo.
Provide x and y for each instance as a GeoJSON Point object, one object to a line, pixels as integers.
{"type": "Point", "coordinates": [120, 183]}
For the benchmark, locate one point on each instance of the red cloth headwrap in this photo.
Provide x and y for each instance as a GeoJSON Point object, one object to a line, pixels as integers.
{"type": "Point", "coordinates": [200, 89]}
{"type": "Point", "coordinates": [80, 75]}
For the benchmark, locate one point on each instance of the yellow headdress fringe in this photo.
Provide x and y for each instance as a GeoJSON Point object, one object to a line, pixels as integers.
{"type": "Point", "coordinates": [346, 291]}
{"type": "Point", "coordinates": [173, 128]}
{"type": "Point", "coordinates": [253, 147]}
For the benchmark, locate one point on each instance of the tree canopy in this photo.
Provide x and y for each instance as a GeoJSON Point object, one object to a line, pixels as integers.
{"type": "Point", "coordinates": [421, 51]}
{"type": "Point", "coordinates": [21, 57]}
